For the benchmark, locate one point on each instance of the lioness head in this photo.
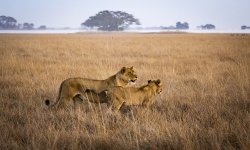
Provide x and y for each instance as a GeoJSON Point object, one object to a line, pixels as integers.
{"type": "Point", "coordinates": [156, 85]}
{"type": "Point", "coordinates": [128, 74]}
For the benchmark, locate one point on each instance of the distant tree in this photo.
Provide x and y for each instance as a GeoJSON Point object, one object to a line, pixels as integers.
{"type": "Point", "coordinates": [8, 22]}
{"type": "Point", "coordinates": [169, 27]}
{"type": "Point", "coordinates": [28, 26]}
{"type": "Point", "coordinates": [111, 21]}
{"type": "Point", "coordinates": [207, 27]}
{"type": "Point", "coordinates": [182, 26]}
{"type": "Point", "coordinates": [42, 27]}
{"type": "Point", "coordinates": [244, 27]}
{"type": "Point", "coordinates": [19, 26]}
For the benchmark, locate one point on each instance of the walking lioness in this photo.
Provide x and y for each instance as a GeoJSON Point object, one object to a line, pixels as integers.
{"type": "Point", "coordinates": [119, 96]}
{"type": "Point", "coordinates": [72, 87]}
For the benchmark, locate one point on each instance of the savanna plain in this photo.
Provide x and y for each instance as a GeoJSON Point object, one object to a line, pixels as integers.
{"type": "Point", "coordinates": [205, 103]}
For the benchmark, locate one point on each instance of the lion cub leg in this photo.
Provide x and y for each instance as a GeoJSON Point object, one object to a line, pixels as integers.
{"type": "Point", "coordinates": [147, 103]}
{"type": "Point", "coordinates": [118, 104]}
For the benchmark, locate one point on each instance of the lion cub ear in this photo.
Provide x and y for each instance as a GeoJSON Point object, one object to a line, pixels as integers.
{"type": "Point", "coordinates": [123, 69]}
{"type": "Point", "coordinates": [149, 81]}
{"type": "Point", "coordinates": [132, 68]}
{"type": "Point", "coordinates": [158, 82]}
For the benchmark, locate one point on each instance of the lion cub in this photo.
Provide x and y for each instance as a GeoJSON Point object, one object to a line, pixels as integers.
{"type": "Point", "coordinates": [119, 96]}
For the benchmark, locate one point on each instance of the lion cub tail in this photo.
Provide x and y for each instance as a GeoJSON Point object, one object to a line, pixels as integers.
{"type": "Point", "coordinates": [47, 102]}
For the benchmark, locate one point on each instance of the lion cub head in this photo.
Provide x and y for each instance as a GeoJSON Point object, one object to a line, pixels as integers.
{"type": "Point", "coordinates": [127, 74]}
{"type": "Point", "coordinates": [156, 85]}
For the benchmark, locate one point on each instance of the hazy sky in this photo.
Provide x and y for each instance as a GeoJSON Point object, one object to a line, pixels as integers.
{"type": "Point", "coordinates": [225, 14]}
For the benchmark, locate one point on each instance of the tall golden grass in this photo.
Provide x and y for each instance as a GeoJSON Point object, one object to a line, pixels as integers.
{"type": "Point", "coordinates": [205, 103]}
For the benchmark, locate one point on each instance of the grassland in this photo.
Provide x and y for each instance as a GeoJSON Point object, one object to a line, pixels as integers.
{"type": "Point", "coordinates": [205, 102]}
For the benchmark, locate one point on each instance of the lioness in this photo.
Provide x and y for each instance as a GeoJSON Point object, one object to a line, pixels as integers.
{"type": "Point", "coordinates": [119, 96]}
{"type": "Point", "coordinates": [72, 88]}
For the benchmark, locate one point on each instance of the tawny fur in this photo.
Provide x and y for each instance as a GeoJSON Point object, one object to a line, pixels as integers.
{"type": "Point", "coordinates": [73, 89]}
{"type": "Point", "coordinates": [120, 96]}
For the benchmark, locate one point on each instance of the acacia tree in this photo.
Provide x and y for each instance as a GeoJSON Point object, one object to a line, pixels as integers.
{"type": "Point", "coordinates": [110, 21]}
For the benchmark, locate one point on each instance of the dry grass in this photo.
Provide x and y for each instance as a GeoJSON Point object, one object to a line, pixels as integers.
{"type": "Point", "coordinates": [205, 103]}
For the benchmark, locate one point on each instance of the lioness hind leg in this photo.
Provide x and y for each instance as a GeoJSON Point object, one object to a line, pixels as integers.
{"type": "Point", "coordinates": [78, 99]}
{"type": "Point", "coordinates": [63, 102]}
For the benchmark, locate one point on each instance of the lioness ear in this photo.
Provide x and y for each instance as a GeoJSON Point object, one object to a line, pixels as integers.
{"type": "Point", "coordinates": [132, 68]}
{"type": "Point", "coordinates": [123, 69]}
{"type": "Point", "coordinates": [149, 81]}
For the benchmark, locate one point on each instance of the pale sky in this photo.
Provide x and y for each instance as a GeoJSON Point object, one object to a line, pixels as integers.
{"type": "Point", "coordinates": [225, 14]}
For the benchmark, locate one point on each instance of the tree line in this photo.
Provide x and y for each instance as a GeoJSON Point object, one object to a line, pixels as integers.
{"type": "Point", "coordinates": [10, 23]}
{"type": "Point", "coordinates": [179, 26]}
{"type": "Point", "coordinates": [103, 20]}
